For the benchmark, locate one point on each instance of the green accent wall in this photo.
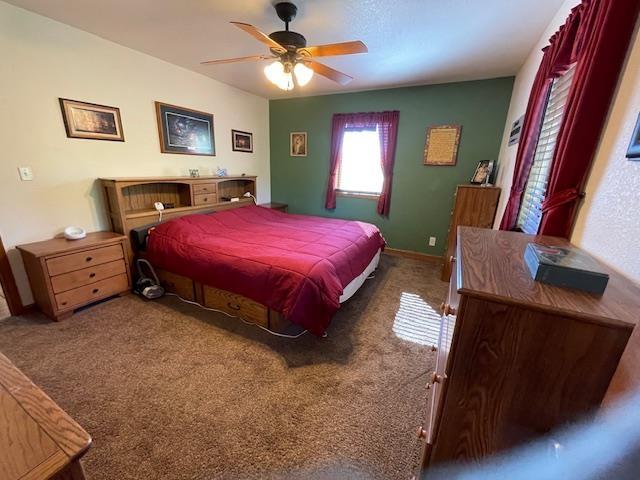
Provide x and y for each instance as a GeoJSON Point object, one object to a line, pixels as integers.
{"type": "Point", "coordinates": [422, 196]}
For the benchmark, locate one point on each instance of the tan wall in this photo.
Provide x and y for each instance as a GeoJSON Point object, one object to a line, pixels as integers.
{"type": "Point", "coordinates": [43, 60]}
{"type": "Point", "coordinates": [608, 224]}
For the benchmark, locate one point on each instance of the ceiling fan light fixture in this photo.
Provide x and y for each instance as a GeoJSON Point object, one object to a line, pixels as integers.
{"type": "Point", "coordinates": [303, 74]}
{"type": "Point", "coordinates": [274, 72]}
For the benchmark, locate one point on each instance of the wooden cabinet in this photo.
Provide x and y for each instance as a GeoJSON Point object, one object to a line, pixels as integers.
{"type": "Point", "coordinates": [38, 440]}
{"type": "Point", "coordinates": [276, 206]}
{"type": "Point", "coordinates": [474, 206]}
{"type": "Point", "coordinates": [518, 358]}
{"type": "Point", "coordinates": [69, 274]}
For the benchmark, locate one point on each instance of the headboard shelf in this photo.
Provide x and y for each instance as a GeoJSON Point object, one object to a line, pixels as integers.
{"type": "Point", "coordinates": [130, 200]}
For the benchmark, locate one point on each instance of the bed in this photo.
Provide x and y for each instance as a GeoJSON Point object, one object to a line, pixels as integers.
{"type": "Point", "coordinates": [266, 266]}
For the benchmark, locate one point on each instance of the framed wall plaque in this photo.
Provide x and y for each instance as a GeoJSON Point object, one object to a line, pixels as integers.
{"type": "Point", "coordinates": [91, 121]}
{"type": "Point", "coordinates": [441, 145]}
{"type": "Point", "coordinates": [185, 131]}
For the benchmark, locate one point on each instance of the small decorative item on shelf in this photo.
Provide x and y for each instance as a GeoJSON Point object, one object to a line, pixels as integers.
{"type": "Point", "coordinates": [633, 152]}
{"type": "Point", "coordinates": [482, 173]}
{"type": "Point", "coordinates": [221, 172]}
{"type": "Point", "coordinates": [194, 172]}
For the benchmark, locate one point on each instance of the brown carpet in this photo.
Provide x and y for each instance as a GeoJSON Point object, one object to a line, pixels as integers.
{"type": "Point", "coordinates": [170, 391]}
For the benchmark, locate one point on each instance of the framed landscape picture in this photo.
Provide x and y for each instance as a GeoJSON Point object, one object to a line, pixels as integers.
{"type": "Point", "coordinates": [185, 131]}
{"type": "Point", "coordinates": [91, 121]}
{"type": "Point", "coordinates": [241, 141]}
{"type": "Point", "coordinates": [298, 144]}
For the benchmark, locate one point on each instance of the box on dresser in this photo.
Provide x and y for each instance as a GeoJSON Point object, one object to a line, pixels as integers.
{"type": "Point", "coordinates": [68, 274]}
{"type": "Point", "coordinates": [518, 358]}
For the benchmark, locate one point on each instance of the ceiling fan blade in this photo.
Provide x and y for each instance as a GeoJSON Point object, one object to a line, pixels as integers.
{"type": "Point", "coordinates": [258, 35]}
{"type": "Point", "coordinates": [330, 49]}
{"type": "Point", "coordinates": [250, 58]}
{"type": "Point", "coordinates": [330, 73]}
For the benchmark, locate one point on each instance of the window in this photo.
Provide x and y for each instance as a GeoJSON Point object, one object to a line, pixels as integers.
{"type": "Point", "coordinates": [360, 171]}
{"type": "Point", "coordinates": [530, 213]}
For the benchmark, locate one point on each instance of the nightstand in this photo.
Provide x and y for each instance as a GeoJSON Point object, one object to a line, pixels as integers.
{"type": "Point", "coordinates": [275, 206]}
{"type": "Point", "coordinates": [68, 274]}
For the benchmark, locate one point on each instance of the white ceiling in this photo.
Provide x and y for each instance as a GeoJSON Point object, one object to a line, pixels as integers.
{"type": "Point", "coordinates": [410, 41]}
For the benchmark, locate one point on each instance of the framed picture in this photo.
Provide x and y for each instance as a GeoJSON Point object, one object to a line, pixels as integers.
{"type": "Point", "coordinates": [633, 152]}
{"type": "Point", "coordinates": [185, 131]}
{"type": "Point", "coordinates": [483, 172]}
{"type": "Point", "coordinates": [516, 129]}
{"type": "Point", "coordinates": [441, 145]}
{"type": "Point", "coordinates": [91, 121]}
{"type": "Point", "coordinates": [241, 141]}
{"type": "Point", "coordinates": [298, 144]}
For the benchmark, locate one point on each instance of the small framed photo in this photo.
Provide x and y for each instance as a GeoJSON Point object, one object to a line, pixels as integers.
{"type": "Point", "coordinates": [91, 121]}
{"type": "Point", "coordinates": [298, 141]}
{"type": "Point", "coordinates": [482, 173]}
{"type": "Point", "coordinates": [185, 131]}
{"type": "Point", "coordinates": [241, 141]}
{"type": "Point", "coordinates": [633, 152]}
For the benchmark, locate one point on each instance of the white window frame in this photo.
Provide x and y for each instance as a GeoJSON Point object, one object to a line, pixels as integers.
{"type": "Point", "coordinates": [351, 192]}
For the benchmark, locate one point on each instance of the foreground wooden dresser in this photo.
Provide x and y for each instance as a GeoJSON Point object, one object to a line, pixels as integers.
{"type": "Point", "coordinates": [69, 274]}
{"type": "Point", "coordinates": [518, 358]}
{"type": "Point", "coordinates": [474, 206]}
{"type": "Point", "coordinates": [38, 440]}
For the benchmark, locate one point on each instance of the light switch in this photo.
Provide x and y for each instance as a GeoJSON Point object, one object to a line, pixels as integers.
{"type": "Point", "coordinates": [432, 241]}
{"type": "Point", "coordinates": [26, 174]}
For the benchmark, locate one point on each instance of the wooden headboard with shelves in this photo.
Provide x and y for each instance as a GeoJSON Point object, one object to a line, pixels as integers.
{"type": "Point", "coordinates": [130, 200]}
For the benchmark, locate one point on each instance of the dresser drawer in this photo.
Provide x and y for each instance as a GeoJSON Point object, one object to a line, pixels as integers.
{"type": "Point", "coordinates": [205, 188]}
{"type": "Point", "coordinates": [89, 293]}
{"type": "Point", "coordinates": [88, 258]}
{"type": "Point", "coordinates": [205, 198]}
{"type": "Point", "coordinates": [86, 276]}
{"type": "Point", "coordinates": [236, 305]}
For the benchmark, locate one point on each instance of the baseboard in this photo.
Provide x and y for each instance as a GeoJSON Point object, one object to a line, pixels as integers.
{"type": "Point", "coordinates": [425, 257]}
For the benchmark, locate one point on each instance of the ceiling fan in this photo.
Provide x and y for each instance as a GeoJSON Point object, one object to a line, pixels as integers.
{"type": "Point", "coordinates": [292, 55]}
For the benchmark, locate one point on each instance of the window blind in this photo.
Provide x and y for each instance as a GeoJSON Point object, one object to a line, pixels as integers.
{"type": "Point", "coordinates": [530, 213]}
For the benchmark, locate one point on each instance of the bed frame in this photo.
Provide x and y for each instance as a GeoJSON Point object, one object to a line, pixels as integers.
{"type": "Point", "coordinates": [130, 205]}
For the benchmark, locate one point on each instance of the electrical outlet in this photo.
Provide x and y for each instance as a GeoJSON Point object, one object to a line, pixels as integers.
{"type": "Point", "coordinates": [432, 241]}
{"type": "Point", "coordinates": [26, 174]}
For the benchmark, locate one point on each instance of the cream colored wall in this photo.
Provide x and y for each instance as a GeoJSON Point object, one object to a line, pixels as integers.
{"type": "Point", "coordinates": [43, 60]}
{"type": "Point", "coordinates": [519, 98]}
{"type": "Point", "coordinates": [608, 224]}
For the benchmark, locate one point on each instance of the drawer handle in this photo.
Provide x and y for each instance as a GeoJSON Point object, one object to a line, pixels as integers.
{"type": "Point", "coordinates": [233, 306]}
{"type": "Point", "coordinates": [64, 303]}
{"type": "Point", "coordinates": [422, 433]}
{"type": "Point", "coordinates": [88, 259]}
{"type": "Point", "coordinates": [91, 275]}
{"type": "Point", "coordinates": [205, 199]}
{"type": "Point", "coordinates": [435, 378]}
{"type": "Point", "coordinates": [95, 290]}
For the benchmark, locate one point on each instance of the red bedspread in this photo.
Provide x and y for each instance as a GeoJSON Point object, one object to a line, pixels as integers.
{"type": "Point", "coordinates": [294, 264]}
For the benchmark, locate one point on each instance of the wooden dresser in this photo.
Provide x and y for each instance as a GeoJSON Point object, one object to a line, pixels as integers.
{"type": "Point", "coordinates": [474, 206]}
{"type": "Point", "coordinates": [68, 274]}
{"type": "Point", "coordinates": [517, 358]}
{"type": "Point", "coordinates": [38, 440]}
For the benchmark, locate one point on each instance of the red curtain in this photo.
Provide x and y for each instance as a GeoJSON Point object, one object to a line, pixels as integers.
{"type": "Point", "coordinates": [595, 37]}
{"type": "Point", "coordinates": [387, 125]}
